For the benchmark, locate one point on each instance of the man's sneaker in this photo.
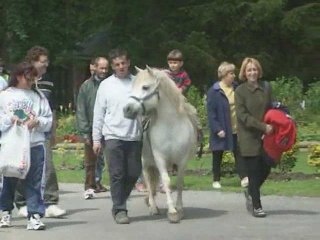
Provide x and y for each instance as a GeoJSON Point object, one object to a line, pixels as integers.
{"type": "Point", "coordinates": [34, 223]}
{"type": "Point", "coordinates": [216, 185]}
{"type": "Point", "coordinates": [23, 212]}
{"type": "Point", "coordinates": [89, 194]}
{"type": "Point", "coordinates": [259, 213]}
{"type": "Point", "coordinates": [5, 221]}
{"type": "Point", "coordinates": [53, 211]}
{"type": "Point", "coordinates": [244, 182]}
{"type": "Point", "coordinates": [249, 204]}
{"type": "Point", "coordinates": [122, 218]}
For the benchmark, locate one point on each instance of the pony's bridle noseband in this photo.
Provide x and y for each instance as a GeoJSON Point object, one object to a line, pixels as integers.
{"type": "Point", "coordinates": [145, 98]}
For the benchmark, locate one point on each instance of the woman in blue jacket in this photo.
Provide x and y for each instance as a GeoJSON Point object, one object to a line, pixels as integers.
{"type": "Point", "coordinates": [223, 123]}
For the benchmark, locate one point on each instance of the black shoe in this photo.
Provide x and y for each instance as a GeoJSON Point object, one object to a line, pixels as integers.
{"type": "Point", "coordinates": [259, 213]}
{"type": "Point", "coordinates": [121, 218]}
{"type": "Point", "coordinates": [100, 188]}
{"type": "Point", "coordinates": [249, 204]}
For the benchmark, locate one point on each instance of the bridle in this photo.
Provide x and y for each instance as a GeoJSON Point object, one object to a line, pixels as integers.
{"type": "Point", "coordinates": [145, 98]}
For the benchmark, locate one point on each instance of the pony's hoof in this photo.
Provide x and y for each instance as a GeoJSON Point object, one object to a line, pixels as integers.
{"type": "Point", "coordinates": [154, 211]}
{"type": "Point", "coordinates": [173, 217]}
{"type": "Point", "coordinates": [180, 213]}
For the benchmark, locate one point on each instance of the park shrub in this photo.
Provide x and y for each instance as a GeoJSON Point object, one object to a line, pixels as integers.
{"type": "Point", "coordinates": [198, 100]}
{"type": "Point", "coordinates": [289, 91]}
{"type": "Point", "coordinates": [314, 157]}
{"type": "Point", "coordinates": [227, 164]}
{"type": "Point", "coordinates": [312, 100]}
{"type": "Point", "coordinates": [288, 160]}
{"type": "Point", "coordinates": [66, 125]}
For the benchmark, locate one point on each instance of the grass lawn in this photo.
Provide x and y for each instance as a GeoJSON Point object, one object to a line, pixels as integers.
{"type": "Point", "coordinates": [69, 170]}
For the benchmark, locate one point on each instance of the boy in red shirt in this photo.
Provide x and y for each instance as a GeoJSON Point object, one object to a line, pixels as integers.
{"type": "Point", "coordinates": [178, 75]}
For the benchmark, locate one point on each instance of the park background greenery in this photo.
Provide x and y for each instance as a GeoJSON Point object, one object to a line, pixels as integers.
{"type": "Point", "coordinates": [283, 34]}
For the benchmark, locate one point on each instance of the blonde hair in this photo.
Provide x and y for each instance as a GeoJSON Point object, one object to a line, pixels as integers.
{"type": "Point", "coordinates": [245, 62]}
{"type": "Point", "coordinates": [224, 69]}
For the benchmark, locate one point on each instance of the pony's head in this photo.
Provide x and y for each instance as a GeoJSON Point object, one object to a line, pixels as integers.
{"type": "Point", "coordinates": [145, 93]}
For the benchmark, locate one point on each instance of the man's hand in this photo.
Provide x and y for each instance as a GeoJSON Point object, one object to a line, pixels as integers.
{"type": "Point", "coordinates": [96, 147]}
{"type": "Point", "coordinates": [221, 134]}
{"type": "Point", "coordinates": [269, 129]}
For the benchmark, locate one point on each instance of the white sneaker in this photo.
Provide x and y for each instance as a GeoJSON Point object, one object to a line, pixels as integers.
{"type": "Point", "coordinates": [23, 212]}
{"type": "Point", "coordinates": [89, 194]}
{"type": "Point", "coordinates": [244, 182]}
{"type": "Point", "coordinates": [53, 211]}
{"type": "Point", "coordinates": [216, 185]}
{"type": "Point", "coordinates": [34, 223]}
{"type": "Point", "coordinates": [5, 221]}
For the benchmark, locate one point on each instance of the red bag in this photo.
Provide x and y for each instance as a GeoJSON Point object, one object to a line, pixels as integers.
{"type": "Point", "coordinates": [283, 136]}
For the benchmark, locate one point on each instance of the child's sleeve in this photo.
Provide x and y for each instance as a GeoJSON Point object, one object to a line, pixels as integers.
{"type": "Point", "coordinates": [186, 82]}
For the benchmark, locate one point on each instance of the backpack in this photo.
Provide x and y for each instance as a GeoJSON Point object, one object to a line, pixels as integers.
{"type": "Point", "coordinates": [283, 137]}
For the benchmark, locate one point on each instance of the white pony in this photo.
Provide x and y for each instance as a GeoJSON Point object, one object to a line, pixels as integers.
{"type": "Point", "coordinates": [170, 138]}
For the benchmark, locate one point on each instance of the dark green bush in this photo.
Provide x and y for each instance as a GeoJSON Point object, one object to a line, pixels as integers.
{"type": "Point", "coordinates": [289, 91]}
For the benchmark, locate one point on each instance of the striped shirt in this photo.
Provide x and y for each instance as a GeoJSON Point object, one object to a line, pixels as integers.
{"type": "Point", "coordinates": [46, 86]}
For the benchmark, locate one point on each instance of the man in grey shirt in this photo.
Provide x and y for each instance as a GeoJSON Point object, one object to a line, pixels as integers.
{"type": "Point", "coordinates": [122, 137]}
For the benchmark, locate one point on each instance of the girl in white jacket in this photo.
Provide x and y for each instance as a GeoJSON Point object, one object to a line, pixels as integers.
{"type": "Point", "coordinates": [20, 104]}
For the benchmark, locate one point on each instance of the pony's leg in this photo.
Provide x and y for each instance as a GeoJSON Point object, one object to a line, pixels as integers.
{"type": "Point", "coordinates": [150, 176]}
{"type": "Point", "coordinates": [172, 212]}
{"type": "Point", "coordinates": [179, 203]}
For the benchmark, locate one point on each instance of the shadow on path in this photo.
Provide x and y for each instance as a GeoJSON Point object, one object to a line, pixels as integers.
{"type": "Point", "coordinates": [55, 224]}
{"type": "Point", "coordinates": [190, 213]}
{"type": "Point", "coordinates": [77, 210]}
{"type": "Point", "coordinates": [50, 225]}
{"type": "Point", "coordinates": [291, 212]}
{"type": "Point", "coordinates": [61, 192]}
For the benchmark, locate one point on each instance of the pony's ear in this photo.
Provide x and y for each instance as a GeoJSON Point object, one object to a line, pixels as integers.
{"type": "Point", "coordinates": [138, 69]}
{"type": "Point", "coordinates": [150, 70]}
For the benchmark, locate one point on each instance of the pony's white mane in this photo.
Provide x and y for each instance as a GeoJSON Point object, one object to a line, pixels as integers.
{"type": "Point", "coordinates": [175, 96]}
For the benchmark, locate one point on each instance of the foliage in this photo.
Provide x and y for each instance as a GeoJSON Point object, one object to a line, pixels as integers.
{"type": "Point", "coordinates": [314, 157]}
{"type": "Point", "coordinates": [227, 164]}
{"type": "Point", "coordinates": [280, 33]}
{"type": "Point", "coordinates": [288, 91]}
{"type": "Point", "coordinates": [66, 124]}
{"type": "Point", "coordinates": [288, 160]}
{"type": "Point", "coordinates": [309, 131]}
{"type": "Point", "coordinates": [312, 99]}
{"type": "Point", "coordinates": [195, 97]}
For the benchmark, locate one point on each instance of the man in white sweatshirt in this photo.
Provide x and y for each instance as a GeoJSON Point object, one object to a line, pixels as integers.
{"type": "Point", "coordinates": [122, 137]}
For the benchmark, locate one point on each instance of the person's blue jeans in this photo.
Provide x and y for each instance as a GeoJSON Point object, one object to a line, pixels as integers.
{"type": "Point", "coordinates": [33, 185]}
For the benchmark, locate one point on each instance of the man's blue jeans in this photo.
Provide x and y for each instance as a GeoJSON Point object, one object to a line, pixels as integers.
{"type": "Point", "coordinates": [33, 185]}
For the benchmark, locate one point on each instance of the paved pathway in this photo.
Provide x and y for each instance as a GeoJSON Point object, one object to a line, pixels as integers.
{"type": "Point", "coordinates": [208, 215]}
